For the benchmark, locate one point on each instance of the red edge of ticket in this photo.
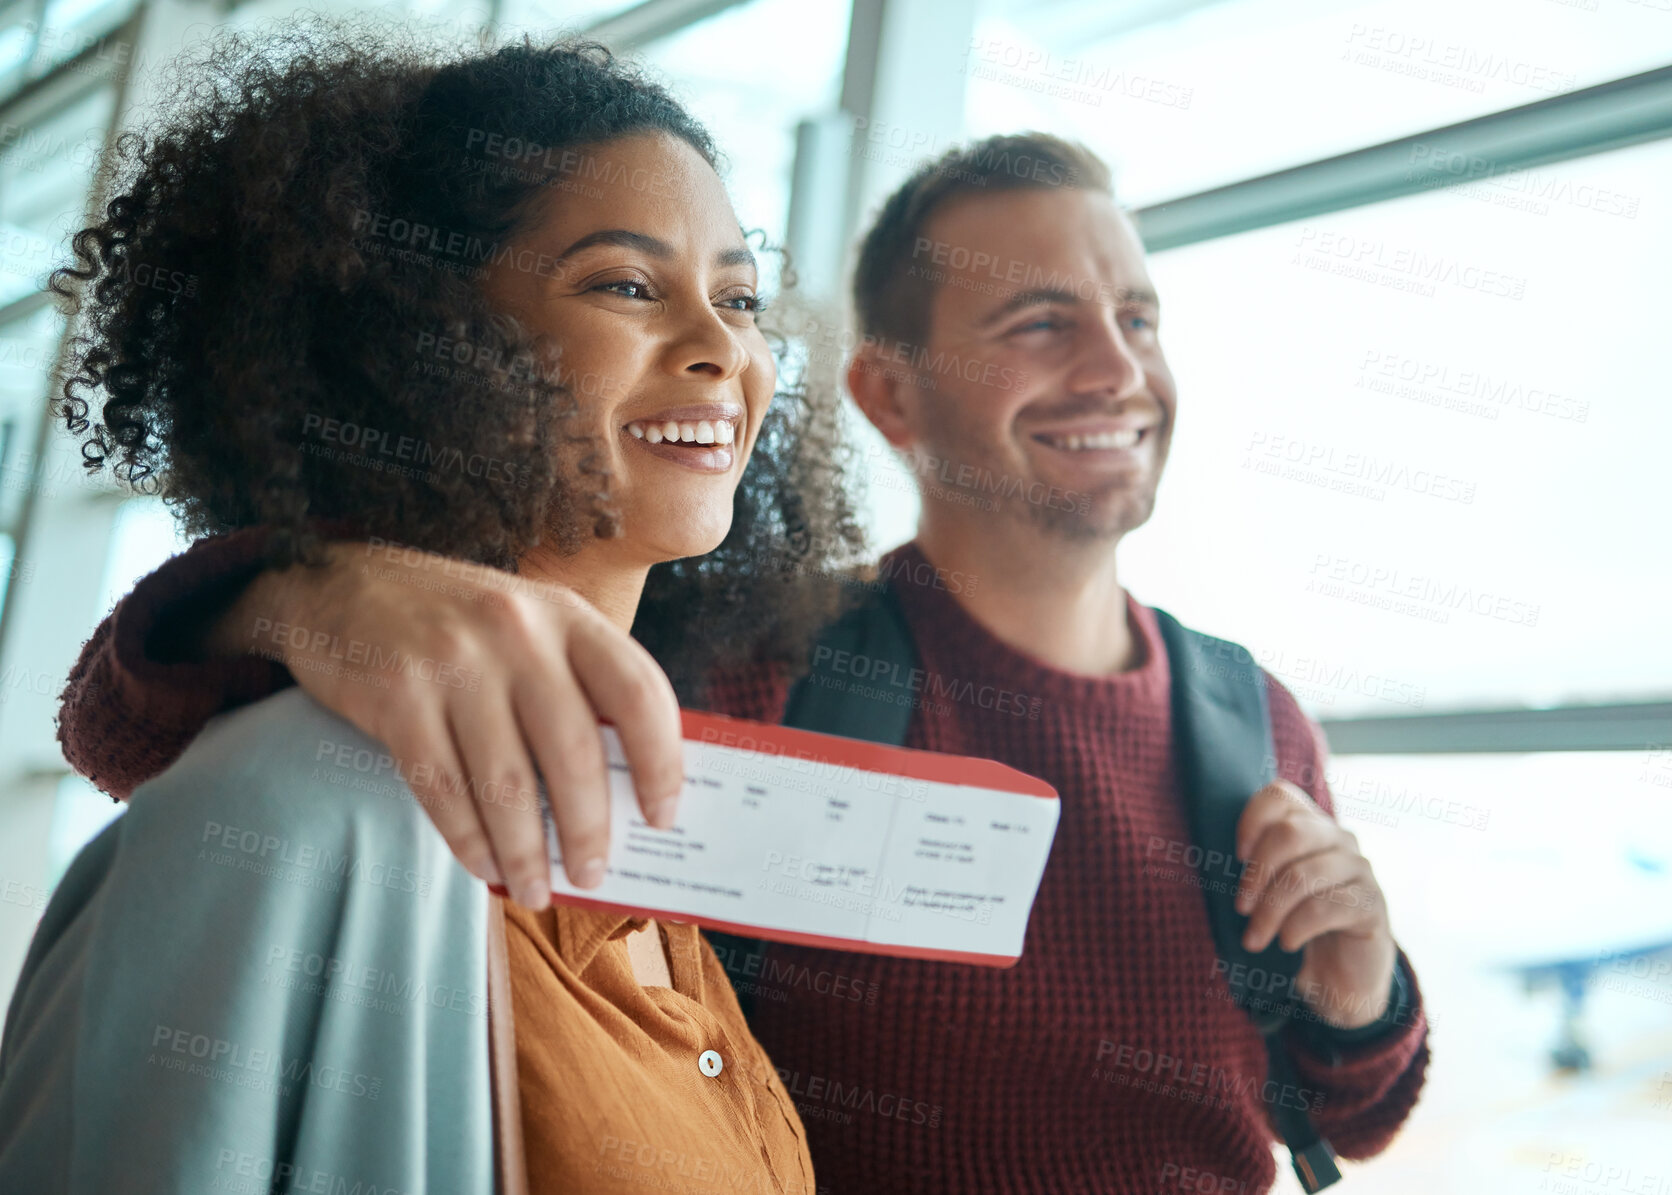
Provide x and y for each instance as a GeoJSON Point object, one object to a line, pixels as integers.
{"type": "Point", "coordinates": [818, 840]}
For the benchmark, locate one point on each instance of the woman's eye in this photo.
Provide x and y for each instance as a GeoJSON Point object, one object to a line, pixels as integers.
{"type": "Point", "coordinates": [627, 286]}
{"type": "Point", "coordinates": [750, 303]}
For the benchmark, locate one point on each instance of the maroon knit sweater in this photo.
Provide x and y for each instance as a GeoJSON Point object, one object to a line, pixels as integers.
{"type": "Point", "coordinates": [1110, 1059]}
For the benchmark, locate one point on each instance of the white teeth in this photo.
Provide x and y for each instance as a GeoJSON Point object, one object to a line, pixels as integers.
{"type": "Point", "coordinates": [705, 431]}
{"type": "Point", "coordinates": [1119, 439]}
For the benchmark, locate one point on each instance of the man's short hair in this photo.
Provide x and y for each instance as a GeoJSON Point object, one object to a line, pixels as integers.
{"type": "Point", "coordinates": [891, 301]}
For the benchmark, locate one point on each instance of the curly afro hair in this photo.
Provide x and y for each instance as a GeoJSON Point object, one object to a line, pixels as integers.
{"type": "Point", "coordinates": [234, 307]}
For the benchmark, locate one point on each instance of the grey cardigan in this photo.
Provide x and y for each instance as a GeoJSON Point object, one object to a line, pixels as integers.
{"type": "Point", "coordinates": [266, 975]}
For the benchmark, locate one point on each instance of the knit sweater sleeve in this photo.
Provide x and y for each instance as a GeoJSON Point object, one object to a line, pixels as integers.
{"type": "Point", "coordinates": [1368, 1088]}
{"type": "Point", "coordinates": [748, 691]}
{"type": "Point", "coordinates": [133, 703]}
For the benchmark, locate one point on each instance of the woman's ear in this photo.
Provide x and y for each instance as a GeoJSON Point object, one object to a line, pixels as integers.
{"type": "Point", "coordinates": [876, 387]}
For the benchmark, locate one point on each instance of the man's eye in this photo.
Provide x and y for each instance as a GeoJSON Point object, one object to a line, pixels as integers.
{"type": "Point", "coordinates": [1140, 323]}
{"type": "Point", "coordinates": [625, 286]}
{"type": "Point", "coordinates": [1038, 325]}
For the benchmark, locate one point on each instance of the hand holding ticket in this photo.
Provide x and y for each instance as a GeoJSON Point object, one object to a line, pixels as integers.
{"type": "Point", "coordinates": [819, 840]}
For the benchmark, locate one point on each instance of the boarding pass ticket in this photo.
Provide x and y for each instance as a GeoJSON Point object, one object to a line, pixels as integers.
{"type": "Point", "coordinates": [826, 841]}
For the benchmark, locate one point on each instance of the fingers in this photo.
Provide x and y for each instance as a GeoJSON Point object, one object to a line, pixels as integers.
{"type": "Point", "coordinates": [1314, 895]}
{"type": "Point", "coordinates": [627, 687]}
{"type": "Point", "coordinates": [496, 681]}
{"type": "Point", "coordinates": [1283, 840]}
{"type": "Point", "coordinates": [430, 761]}
{"type": "Point", "coordinates": [561, 726]}
{"type": "Point", "coordinates": [501, 792]}
{"type": "Point", "coordinates": [1274, 803]}
{"type": "Point", "coordinates": [1297, 858]}
{"type": "Point", "coordinates": [1350, 906]}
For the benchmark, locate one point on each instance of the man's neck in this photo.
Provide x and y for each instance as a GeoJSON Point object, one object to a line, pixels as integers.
{"type": "Point", "coordinates": [1053, 598]}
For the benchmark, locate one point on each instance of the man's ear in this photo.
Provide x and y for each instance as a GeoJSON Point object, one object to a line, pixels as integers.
{"type": "Point", "coordinates": [876, 387]}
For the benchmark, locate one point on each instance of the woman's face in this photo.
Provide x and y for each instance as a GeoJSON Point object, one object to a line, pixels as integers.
{"type": "Point", "coordinates": [637, 271]}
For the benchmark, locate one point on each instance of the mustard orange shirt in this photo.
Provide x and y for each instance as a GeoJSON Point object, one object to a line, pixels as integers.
{"type": "Point", "coordinates": [627, 1088]}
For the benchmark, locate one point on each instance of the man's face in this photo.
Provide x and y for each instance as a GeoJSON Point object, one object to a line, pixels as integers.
{"type": "Point", "coordinates": [1041, 394]}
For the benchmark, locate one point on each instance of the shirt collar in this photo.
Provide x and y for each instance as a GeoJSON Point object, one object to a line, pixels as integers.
{"type": "Point", "coordinates": [582, 932]}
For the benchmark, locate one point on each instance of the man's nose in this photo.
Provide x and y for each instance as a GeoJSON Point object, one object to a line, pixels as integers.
{"type": "Point", "coordinates": [1108, 361]}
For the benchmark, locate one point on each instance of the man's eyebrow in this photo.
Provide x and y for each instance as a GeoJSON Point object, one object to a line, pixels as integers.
{"type": "Point", "coordinates": [1027, 298]}
{"type": "Point", "coordinates": [1040, 296]}
{"type": "Point", "coordinates": [627, 239]}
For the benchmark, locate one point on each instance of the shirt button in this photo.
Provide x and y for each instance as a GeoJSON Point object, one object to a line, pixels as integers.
{"type": "Point", "coordinates": [710, 1064]}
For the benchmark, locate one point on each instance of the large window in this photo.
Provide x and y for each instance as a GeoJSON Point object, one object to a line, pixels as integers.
{"type": "Point", "coordinates": [46, 165]}
{"type": "Point", "coordinates": [736, 77]}
{"type": "Point", "coordinates": [1497, 868]}
{"type": "Point", "coordinates": [143, 536]}
{"type": "Point", "coordinates": [535, 17]}
{"type": "Point", "coordinates": [28, 344]}
{"type": "Point", "coordinates": [1195, 94]}
{"type": "Point", "coordinates": [1419, 470]}
{"type": "Point", "coordinates": [38, 37]}
{"type": "Point", "coordinates": [1434, 430]}
{"type": "Point", "coordinates": [53, 522]}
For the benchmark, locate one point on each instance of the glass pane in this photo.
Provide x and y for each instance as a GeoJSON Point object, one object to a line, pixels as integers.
{"type": "Point", "coordinates": [1420, 458]}
{"type": "Point", "coordinates": [79, 812]}
{"type": "Point", "coordinates": [8, 559]}
{"type": "Point", "coordinates": [1492, 878]}
{"type": "Point", "coordinates": [1183, 101]}
{"type": "Point", "coordinates": [145, 535]}
{"type": "Point", "coordinates": [753, 118]}
{"type": "Point", "coordinates": [72, 26]}
{"type": "Point", "coordinates": [17, 43]}
{"type": "Point", "coordinates": [27, 350]}
{"type": "Point", "coordinates": [45, 173]}
{"type": "Point", "coordinates": [546, 17]}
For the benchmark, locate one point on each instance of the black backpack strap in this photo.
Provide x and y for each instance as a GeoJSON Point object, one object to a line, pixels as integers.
{"type": "Point", "coordinates": [1224, 754]}
{"type": "Point", "coordinates": [863, 684]}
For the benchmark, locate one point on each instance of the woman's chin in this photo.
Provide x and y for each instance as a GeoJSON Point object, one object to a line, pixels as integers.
{"type": "Point", "coordinates": [680, 543]}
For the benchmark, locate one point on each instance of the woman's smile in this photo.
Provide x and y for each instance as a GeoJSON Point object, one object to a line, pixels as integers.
{"type": "Point", "coordinates": [657, 292]}
{"type": "Point", "coordinates": [698, 437]}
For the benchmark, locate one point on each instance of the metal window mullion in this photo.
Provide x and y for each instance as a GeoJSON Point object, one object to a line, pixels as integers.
{"type": "Point", "coordinates": [1608, 116]}
{"type": "Point", "coordinates": [653, 20]}
{"type": "Point", "coordinates": [1626, 726]}
{"type": "Point", "coordinates": [29, 304]}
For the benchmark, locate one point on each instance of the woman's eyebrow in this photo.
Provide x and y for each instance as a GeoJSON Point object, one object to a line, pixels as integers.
{"type": "Point", "coordinates": [623, 237]}
{"type": "Point", "coordinates": [645, 243]}
{"type": "Point", "coordinates": [739, 256]}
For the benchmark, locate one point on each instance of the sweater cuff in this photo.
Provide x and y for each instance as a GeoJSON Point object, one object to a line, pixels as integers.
{"type": "Point", "coordinates": [1335, 1047]}
{"type": "Point", "coordinates": [185, 593]}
